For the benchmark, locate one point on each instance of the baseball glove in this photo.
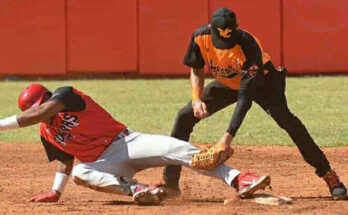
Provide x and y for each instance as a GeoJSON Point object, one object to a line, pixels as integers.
{"type": "Point", "coordinates": [211, 157]}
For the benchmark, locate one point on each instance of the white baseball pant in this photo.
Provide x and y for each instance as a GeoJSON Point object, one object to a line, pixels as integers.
{"type": "Point", "coordinates": [134, 152]}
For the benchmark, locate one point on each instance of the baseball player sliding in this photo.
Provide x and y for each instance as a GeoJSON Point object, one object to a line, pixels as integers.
{"type": "Point", "coordinates": [72, 125]}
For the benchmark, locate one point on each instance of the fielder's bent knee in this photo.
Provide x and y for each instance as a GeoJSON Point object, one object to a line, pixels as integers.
{"type": "Point", "coordinates": [185, 113]}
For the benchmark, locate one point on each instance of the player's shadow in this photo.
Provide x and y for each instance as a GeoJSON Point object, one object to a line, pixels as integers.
{"type": "Point", "coordinates": [205, 200]}
{"type": "Point", "coordinates": [314, 198]}
{"type": "Point", "coordinates": [118, 202]}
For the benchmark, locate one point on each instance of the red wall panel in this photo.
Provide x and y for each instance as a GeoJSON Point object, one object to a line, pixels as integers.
{"type": "Point", "coordinates": [315, 35]}
{"type": "Point", "coordinates": [32, 37]}
{"type": "Point", "coordinates": [165, 29]}
{"type": "Point", "coordinates": [259, 17]}
{"type": "Point", "coordinates": [102, 35]}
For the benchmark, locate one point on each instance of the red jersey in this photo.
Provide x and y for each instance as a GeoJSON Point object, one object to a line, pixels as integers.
{"type": "Point", "coordinates": [85, 133]}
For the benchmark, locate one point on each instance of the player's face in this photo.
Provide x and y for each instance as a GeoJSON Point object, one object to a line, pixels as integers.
{"type": "Point", "coordinates": [45, 98]}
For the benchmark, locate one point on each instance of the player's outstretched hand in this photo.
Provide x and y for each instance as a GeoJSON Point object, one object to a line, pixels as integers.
{"type": "Point", "coordinates": [225, 147]}
{"type": "Point", "coordinates": [52, 196]}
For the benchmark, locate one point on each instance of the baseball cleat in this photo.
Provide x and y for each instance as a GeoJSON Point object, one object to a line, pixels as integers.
{"type": "Point", "coordinates": [248, 183]}
{"type": "Point", "coordinates": [146, 195]}
{"type": "Point", "coordinates": [337, 189]}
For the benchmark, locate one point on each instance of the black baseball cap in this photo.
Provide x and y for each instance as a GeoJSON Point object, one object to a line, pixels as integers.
{"type": "Point", "coordinates": [223, 24]}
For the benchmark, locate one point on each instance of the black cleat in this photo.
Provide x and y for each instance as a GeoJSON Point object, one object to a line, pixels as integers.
{"type": "Point", "coordinates": [337, 189]}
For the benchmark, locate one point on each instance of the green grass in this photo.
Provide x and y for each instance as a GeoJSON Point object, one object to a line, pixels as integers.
{"type": "Point", "coordinates": [150, 106]}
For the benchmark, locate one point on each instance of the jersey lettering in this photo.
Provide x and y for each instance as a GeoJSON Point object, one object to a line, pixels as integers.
{"type": "Point", "coordinates": [84, 134]}
{"type": "Point", "coordinates": [67, 124]}
{"type": "Point", "coordinates": [225, 64]}
{"type": "Point", "coordinates": [226, 72]}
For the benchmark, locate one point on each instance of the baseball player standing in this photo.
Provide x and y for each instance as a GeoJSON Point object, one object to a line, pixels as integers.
{"type": "Point", "coordinates": [72, 126]}
{"type": "Point", "coordinates": [243, 73]}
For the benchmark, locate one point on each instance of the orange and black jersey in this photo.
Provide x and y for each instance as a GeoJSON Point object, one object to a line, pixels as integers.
{"type": "Point", "coordinates": [225, 63]}
{"type": "Point", "coordinates": [231, 65]}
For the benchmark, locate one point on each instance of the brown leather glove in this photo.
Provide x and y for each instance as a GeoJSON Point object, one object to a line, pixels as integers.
{"type": "Point", "coordinates": [211, 157]}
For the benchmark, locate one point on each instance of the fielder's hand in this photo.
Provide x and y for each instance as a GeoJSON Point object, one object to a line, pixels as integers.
{"type": "Point", "coordinates": [200, 109]}
{"type": "Point", "coordinates": [225, 152]}
{"type": "Point", "coordinates": [225, 147]}
{"type": "Point", "coordinates": [52, 196]}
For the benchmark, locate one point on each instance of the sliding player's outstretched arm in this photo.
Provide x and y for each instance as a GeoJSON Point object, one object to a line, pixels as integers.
{"type": "Point", "coordinates": [32, 116]}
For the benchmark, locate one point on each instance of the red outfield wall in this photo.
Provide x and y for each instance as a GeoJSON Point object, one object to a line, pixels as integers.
{"type": "Point", "coordinates": [32, 37]}
{"type": "Point", "coordinates": [102, 35]}
{"type": "Point", "coordinates": [315, 35]}
{"type": "Point", "coordinates": [47, 37]}
{"type": "Point", "coordinates": [165, 29]}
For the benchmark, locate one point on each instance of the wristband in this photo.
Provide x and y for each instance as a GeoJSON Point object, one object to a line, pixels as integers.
{"type": "Point", "coordinates": [9, 123]}
{"type": "Point", "coordinates": [196, 93]}
{"type": "Point", "coordinates": [195, 102]}
{"type": "Point", "coordinates": [60, 181]}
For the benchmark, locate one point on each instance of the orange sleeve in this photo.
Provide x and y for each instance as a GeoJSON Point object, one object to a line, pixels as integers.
{"type": "Point", "coordinates": [196, 93]}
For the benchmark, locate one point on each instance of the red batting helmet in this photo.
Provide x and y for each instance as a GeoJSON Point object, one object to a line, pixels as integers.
{"type": "Point", "coordinates": [32, 96]}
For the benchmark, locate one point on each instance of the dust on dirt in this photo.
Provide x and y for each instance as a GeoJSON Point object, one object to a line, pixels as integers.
{"type": "Point", "coordinates": [24, 172]}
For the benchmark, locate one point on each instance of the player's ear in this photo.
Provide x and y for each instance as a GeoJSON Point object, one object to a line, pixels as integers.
{"type": "Point", "coordinates": [46, 97]}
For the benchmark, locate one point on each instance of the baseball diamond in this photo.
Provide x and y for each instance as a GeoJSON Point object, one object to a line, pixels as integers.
{"type": "Point", "coordinates": [173, 107]}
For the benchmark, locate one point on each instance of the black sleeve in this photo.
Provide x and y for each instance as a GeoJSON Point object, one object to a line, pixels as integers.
{"type": "Point", "coordinates": [71, 100]}
{"type": "Point", "coordinates": [54, 153]}
{"type": "Point", "coordinates": [193, 57]}
{"type": "Point", "coordinates": [252, 80]}
{"type": "Point", "coordinates": [243, 105]}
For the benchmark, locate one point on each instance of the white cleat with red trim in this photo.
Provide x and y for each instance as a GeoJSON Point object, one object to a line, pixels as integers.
{"type": "Point", "coordinates": [146, 195]}
{"type": "Point", "coordinates": [248, 183]}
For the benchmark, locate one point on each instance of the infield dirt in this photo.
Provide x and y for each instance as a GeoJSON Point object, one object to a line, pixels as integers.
{"type": "Point", "coordinates": [24, 172]}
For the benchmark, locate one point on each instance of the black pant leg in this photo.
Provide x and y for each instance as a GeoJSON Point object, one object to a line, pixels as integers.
{"type": "Point", "coordinates": [184, 123]}
{"type": "Point", "coordinates": [216, 96]}
{"type": "Point", "coordinates": [273, 101]}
